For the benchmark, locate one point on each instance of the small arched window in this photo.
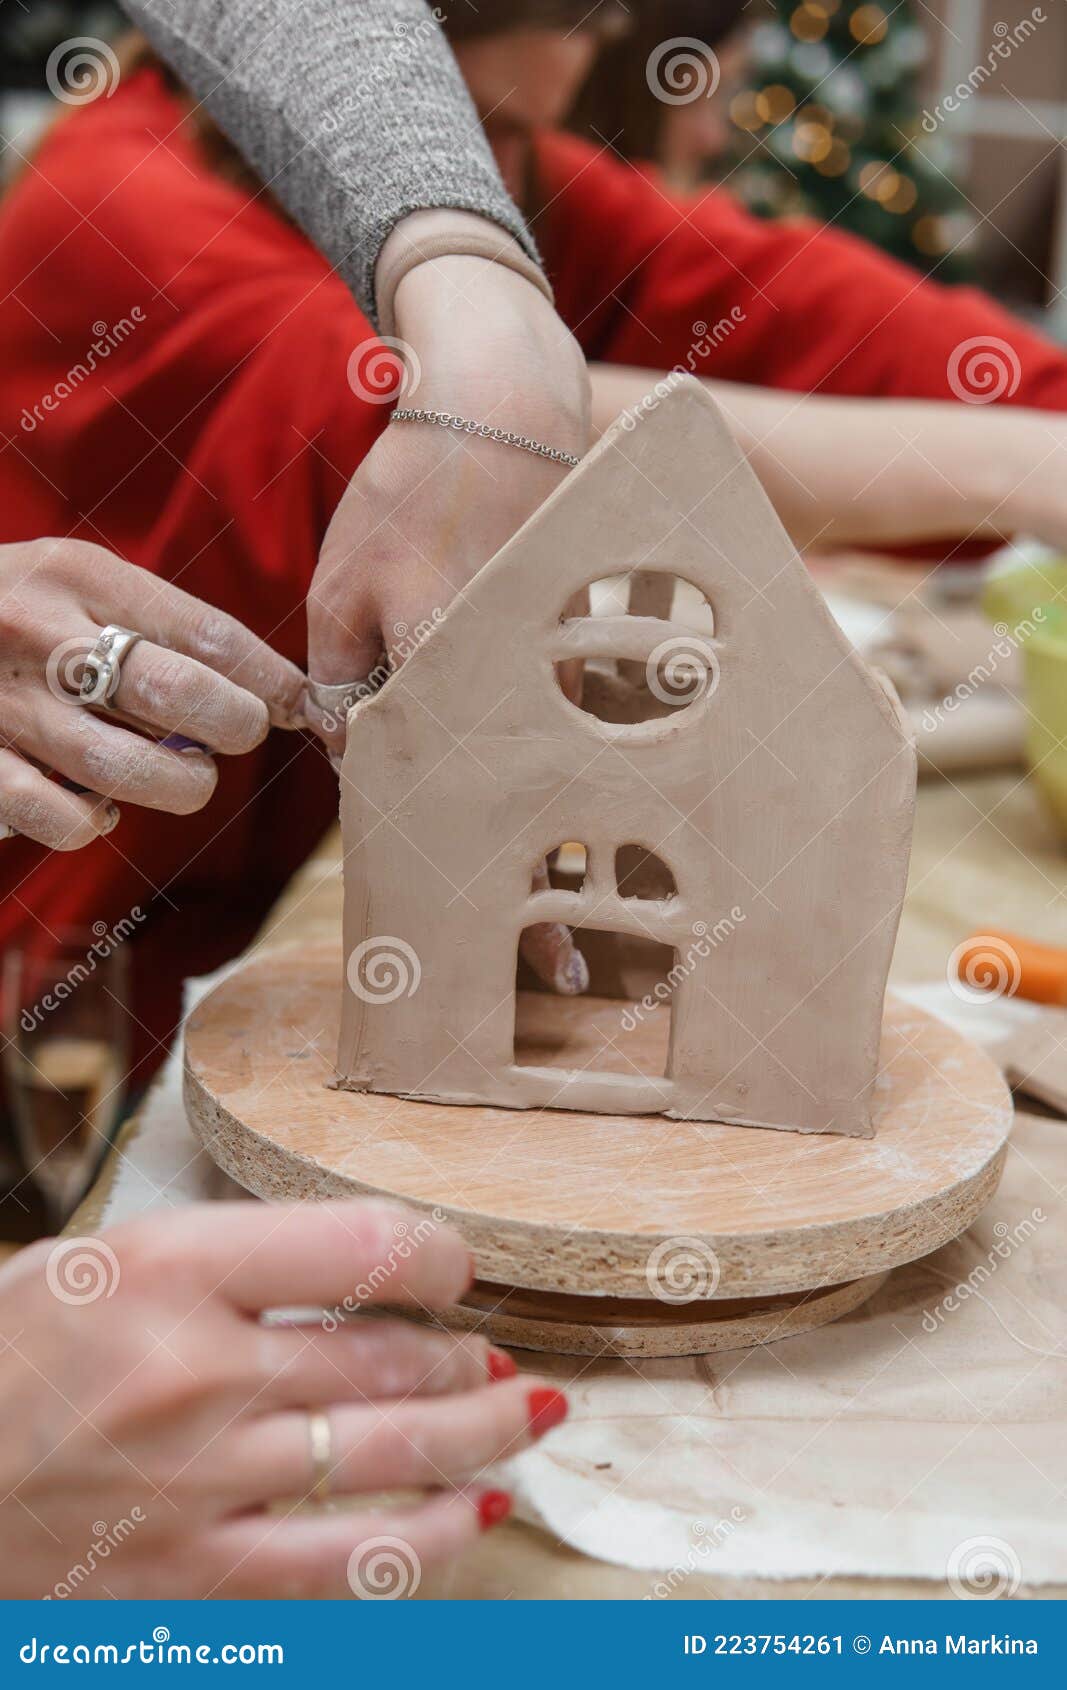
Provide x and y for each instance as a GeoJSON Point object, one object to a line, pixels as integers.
{"type": "Point", "coordinates": [641, 874]}
{"type": "Point", "coordinates": [565, 868]}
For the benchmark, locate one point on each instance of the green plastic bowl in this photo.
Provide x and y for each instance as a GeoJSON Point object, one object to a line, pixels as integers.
{"type": "Point", "coordinates": [1029, 606]}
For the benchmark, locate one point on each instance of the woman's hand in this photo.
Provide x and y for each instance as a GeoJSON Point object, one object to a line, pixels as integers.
{"type": "Point", "coordinates": [151, 1419]}
{"type": "Point", "coordinates": [428, 507]}
{"type": "Point", "coordinates": [196, 673]}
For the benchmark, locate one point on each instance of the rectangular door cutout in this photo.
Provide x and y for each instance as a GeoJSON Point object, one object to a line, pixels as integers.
{"type": "Point", "coordinates": [600, 1034]}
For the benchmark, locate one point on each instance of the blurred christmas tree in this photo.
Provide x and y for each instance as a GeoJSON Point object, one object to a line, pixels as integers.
{"type": "Point", "coordinates": [832, 107]}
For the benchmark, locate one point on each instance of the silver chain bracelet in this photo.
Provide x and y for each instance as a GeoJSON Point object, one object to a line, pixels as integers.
{"type": "Point", "coordinates": [486, 431]}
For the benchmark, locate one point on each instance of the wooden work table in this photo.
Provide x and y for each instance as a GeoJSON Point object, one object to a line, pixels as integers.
{"type": "Point", "coordinates": [984, 855]}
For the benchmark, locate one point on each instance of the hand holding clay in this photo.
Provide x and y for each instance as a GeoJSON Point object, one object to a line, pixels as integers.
{"type": "Point", "coordinates": [194, 678]}
{"type": "Point", "coordinates": [141, 1390]}
{"type": "Point", "coordinates": [428, 507]}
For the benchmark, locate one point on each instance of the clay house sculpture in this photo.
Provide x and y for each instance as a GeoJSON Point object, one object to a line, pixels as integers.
{"type": "Point", "coordinates": [743, 788]}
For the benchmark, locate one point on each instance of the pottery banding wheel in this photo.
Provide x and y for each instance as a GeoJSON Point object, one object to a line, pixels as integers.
{"type": "Point", "coordinates": [597, 1234]}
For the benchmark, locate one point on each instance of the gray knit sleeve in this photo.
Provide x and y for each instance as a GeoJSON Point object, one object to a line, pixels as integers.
{"type": "Point", "coordinates": [353, 112]}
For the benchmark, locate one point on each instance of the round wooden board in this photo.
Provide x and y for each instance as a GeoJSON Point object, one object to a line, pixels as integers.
{"type": "Point", "coordinates": [598, 1205]}
{"type": "Point", "coordinates": [631, 1326]}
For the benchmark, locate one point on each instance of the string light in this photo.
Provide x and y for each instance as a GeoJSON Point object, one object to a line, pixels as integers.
{"type": "Point", "coordinates": [904, 198]}
{"type": "Point", "coordinates": [869, 25]}
{"type": "Point", "coordinates": [879, 181]}
{"type": "Point", "coordinates": [809, 22]}
{"type": "Point", "coordinates": [812, 142]}
{"type": "Point", "coordinates": [836, 161]}
{"type": "Point", "coordinates": [744, 111]}
{"type": "Point", "coordinates": [775, 103]}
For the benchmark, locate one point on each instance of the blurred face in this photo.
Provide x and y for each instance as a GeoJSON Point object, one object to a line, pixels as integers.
{"type": "Point", "coordinates": [526, 79]}
{"type": "Point", "coordinates": [700, 132]}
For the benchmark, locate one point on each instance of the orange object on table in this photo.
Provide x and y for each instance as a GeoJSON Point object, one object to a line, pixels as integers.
{"type": "Point", "coordinates": [1009, 965]}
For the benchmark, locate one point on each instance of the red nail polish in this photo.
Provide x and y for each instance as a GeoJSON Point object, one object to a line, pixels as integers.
{"type": "Point", "coordinates": [546, 1409]}
{"type": "Point", "coordinates": [493, 1507]}
{"type": "Point", "coordinates": [500, 1365]}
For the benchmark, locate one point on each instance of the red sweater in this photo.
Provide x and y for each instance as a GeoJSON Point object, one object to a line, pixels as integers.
{"type": "Point", "coordinates": [217, 429]}
{"type": "Point", "coordinates": [634, 268]}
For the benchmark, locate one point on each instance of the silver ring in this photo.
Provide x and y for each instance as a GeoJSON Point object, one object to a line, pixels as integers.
{"type": "Point", "coordinates": [103, 665]}
{"type": "Point", "coordinates": [337, 698]}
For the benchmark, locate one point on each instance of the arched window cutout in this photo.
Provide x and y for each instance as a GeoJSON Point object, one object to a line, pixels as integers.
{"type": "Point", "coordinates": [641, 874]}
{"type": "Point", "coordinates": [564, 868]}
{"type": "Point", "coordinates": [634, 675]}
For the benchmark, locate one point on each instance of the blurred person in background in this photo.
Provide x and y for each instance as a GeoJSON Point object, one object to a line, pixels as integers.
{"type": "Point", "coordinates": [689, 138]}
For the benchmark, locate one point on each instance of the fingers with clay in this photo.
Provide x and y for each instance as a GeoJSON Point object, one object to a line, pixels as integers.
{"type": "Point", "coordinates": [186, 703]}
{"type": "Point", "coordinates": [549, 948]}
{"type": "Point", "coordinates": [106, 758]}
{"type": "Point", "coordinates": [34, 807]}
{"type": "Point", "coordinates": [229, 671]}
{"type": "Point", "coordinates": [118, 685]}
